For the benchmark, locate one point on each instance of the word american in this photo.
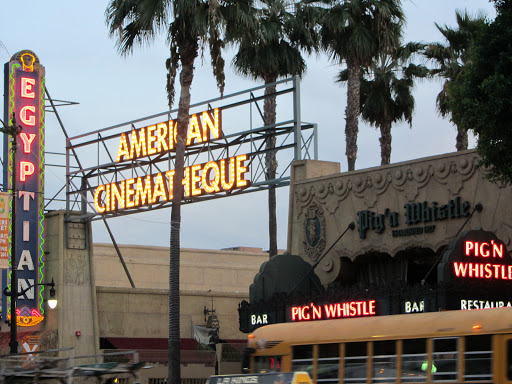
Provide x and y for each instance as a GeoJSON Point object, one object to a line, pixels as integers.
{"type": "Point", "coordinates": [161, 137]}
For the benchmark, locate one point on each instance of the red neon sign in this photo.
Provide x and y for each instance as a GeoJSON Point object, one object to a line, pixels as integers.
{"type": "Point", "coordinates": [483, 271]}
{"type": "Point", "coordinates": [333, 311]}
{"type": "Point", "coordinates": [483, 249]}
{"type": "Point", "coordinates": [478, 269]}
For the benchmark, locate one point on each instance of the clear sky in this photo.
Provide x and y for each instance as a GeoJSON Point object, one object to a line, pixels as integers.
{"type": "Point", "coordinates": [82, 65]}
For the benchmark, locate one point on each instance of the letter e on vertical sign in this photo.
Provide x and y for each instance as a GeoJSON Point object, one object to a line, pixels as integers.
{"type": "Point", "coordinates": [24, 99]}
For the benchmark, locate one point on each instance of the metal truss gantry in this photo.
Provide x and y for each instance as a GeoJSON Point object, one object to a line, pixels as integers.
{"type": "Point", "coordinates": [90, 158]}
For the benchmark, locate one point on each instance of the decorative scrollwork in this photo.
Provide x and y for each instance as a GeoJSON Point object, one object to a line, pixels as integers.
{"type": "Point", "coordinates": [314, 231]}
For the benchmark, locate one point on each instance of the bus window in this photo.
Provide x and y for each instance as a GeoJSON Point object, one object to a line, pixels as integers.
{"type": "Point", "coordinates": [384, 361]}
{"type": "Point", "coordinates": [445, 354]}
{"type": "Point", "coordinates": [509, 360]}
{"type": "Point", "coordinates": [414, 361]}
{"type": "Point", "coordinates": [355, 362]}
{"type": "Point", "coordinates": [328, 363]}
{"type": "Point", "coordinates": [267, 364]}
{"type": "Point", "coordinates": [478, 358]}
{"type": "Point", "coordinates": [302, 358]}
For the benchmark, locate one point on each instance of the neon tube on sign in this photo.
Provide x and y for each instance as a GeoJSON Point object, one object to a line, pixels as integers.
{"type": "Point", "coordinates": [333, 311]}
{"type": "Point", "coordinates": [212, 177]}
{"type": "Point", "coordinates": [480, 251]}
{"type": "Point", "coordinates": [161, 137]}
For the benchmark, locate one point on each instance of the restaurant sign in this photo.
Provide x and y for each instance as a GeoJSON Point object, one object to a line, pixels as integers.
{"type": "Point", "coordinates": [475, 256]}
{"type": "Point", "coordinates": [419, 217]}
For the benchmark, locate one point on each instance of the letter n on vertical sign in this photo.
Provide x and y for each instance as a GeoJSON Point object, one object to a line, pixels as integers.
{"type": "Point", "coordinates": [24, 99]}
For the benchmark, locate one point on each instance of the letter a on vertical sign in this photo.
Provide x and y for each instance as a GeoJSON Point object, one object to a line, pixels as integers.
{"type": "Point", "coordinates": [24, 99]}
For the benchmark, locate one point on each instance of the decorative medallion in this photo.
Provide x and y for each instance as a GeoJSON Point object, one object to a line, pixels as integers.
{"type": "Point", "coordinates": [314, 231]}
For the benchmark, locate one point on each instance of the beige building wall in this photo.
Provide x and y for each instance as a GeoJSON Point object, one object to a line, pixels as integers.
{"type": "Point", "coordinates": [96, 298]}
{"type": "Point", "coordinates": [69, 261]}
{"type": "Point", "coordinates": [208, 278]}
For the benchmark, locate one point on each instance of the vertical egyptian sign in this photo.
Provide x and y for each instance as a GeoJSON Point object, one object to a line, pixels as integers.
{"type": "Point", "coordinates": [24, 107]}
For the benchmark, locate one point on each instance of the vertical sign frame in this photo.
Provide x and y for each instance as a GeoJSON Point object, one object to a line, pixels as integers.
{"type": "Point", "coordinates": [24, 106]}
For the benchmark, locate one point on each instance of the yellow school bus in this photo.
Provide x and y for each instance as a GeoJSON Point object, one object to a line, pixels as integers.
{"type": "Point", "coordinates": [450, 346]}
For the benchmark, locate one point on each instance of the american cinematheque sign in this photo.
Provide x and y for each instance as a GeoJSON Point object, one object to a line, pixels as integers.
{"type": "Point", "coordinates": [24, 106]}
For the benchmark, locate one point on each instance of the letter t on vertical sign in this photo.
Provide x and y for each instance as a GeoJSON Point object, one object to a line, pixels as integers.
{"type": "Point", "coordinates": [24, 98]}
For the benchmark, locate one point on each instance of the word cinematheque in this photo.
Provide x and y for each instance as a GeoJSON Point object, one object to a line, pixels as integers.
{"type": "Point", "coordinates": [224, 175]}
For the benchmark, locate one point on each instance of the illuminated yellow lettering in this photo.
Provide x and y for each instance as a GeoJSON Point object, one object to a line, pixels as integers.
{"type": "Point", "coordinates": [194, 130]}
{"type": "Point", "coordinates": [186, 182]}
{"type": "Point", "coordinates": [170, 182]}
{"type": "Point", "coordinates": [214, 126]}
{"type": "Point", "coordinates": [108, 207]}
{"type": "Point", "coordinates": [159, 190]}
{"type": "Point", "coordinates": [211, 184]}
{"type": "Point", "coordinates": [97, 199]}
{"type": "Point", "coordinates": [173, 132]}
{"type": "Point", "coordinates": [151, 139]}
{"type": "Point", "coordinates": [123, 149]}
{"type": "Point", "coordinates": [161, 133]}
{"type": "Point", "coordinates": [223, 168]}
{"type": "Point", "coordinates": [240, 170]}
{"type": "Point", "coordinates": [195, 180]}
{"type": "Point", "coordinates": [118, 196]}
{"type": "Point", "coordinates": [138, 144]}
{"type": "Point", "coordinates": [143, 193]}
{"type": "Point", "coordinates": [129, 193]}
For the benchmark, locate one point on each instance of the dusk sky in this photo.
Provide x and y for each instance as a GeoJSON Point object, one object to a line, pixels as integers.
{"type": "Point", "coordinates": [83, 65]}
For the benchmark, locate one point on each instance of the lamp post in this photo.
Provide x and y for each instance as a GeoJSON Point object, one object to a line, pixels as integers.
{"type": "Point", "coordinates": [13, 294]}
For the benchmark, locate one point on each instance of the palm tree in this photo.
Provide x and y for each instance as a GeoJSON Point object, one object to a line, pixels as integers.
{"type": "Point", "coordinates": [274, 52]}
{"type": "Point", "coordinates": [356, 32]}
{"type": "Point", "coordinates": [386, 92]}
{"type": "Point", "coordinates": [189, 25]}
{"type": "Point", "coordinates": [451, 58]}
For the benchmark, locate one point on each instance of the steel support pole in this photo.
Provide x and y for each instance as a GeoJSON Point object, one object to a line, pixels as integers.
{"type": "Point", "coordinates": [14, 280]}
{"type": "Point", "coordinates": [297, 134]}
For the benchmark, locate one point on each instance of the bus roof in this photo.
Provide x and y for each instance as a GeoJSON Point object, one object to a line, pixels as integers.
{"type": "Point", "coordinates": [484, 321]}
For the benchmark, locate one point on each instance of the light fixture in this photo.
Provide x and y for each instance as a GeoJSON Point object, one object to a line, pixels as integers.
{"type": "Point", "coordinates": [52, 301]}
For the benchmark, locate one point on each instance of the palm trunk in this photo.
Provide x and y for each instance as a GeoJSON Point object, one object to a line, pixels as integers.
{"type": "Point", "coordinates": [188, 53]}
{"type": "Point", "coordinates": [269, 115]}
{"type": "Point", "coordinates": [385, 142]}
{"type": "Point", "coordinates": [352, 113]}
{"type": "Point", "coordinates": [461, 140]}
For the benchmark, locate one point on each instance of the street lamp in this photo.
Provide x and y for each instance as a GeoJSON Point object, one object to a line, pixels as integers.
{"type": "Point", "coordinates": [52, 303]}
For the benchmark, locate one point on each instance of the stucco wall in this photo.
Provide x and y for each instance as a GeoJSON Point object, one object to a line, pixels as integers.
{"type": "Point", "coordinates": [205, 276]}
